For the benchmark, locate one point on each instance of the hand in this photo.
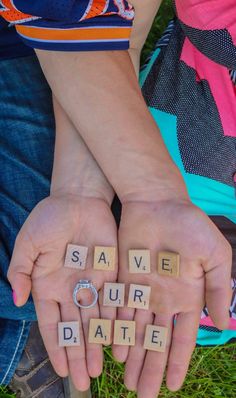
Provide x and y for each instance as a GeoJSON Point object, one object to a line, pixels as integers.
{"type": "Point", "coordinates": [37, 263]}
{"type": "Point", "coordinates": [205, 267]}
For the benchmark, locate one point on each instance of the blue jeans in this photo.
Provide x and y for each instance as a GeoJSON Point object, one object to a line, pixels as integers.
{"type": "Point", "coordinates": [26, 156]}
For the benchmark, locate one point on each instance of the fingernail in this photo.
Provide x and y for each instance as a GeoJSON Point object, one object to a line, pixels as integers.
{"type": "Point", "coordinates": [14, 296]}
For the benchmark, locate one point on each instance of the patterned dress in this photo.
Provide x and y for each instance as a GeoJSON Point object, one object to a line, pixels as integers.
{"type": "Point", "coordinates": [189, 85]}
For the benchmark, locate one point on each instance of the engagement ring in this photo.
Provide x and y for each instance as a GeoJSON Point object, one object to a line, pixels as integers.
{"type": "Point", "coordinates": [85, 284]}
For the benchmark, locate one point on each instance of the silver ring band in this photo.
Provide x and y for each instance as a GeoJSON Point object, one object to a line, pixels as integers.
{"type": "Point", "coordinates": [85, 284]}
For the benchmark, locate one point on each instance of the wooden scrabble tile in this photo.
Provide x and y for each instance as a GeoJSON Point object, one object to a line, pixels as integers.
{"type": "Point", "coordinates": [155, 338]}
{"type": "Point", "coordinates": [76, 256]}
{"type": "Point", "coordinates": [168, 263]}
{"type": "Point", "coordinates": [100, 331]}
{"type": "Point", "coordinates": [139, 296]}
{"type": "Point", "coordinates": [139, 261]}
{"type": "Point", "coordinates": [124, 332]}
{"type": "Point", "coordinates": [114, 294]}
{"type": "Point", "coordinates": [68, 334]}
{"type": "Point", "coordinates": [104, 258]}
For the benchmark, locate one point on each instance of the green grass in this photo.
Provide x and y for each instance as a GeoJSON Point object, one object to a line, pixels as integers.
{"type": "Point", "coordinates": [212, 372]}
{"type": "Point", "coordinates": [165, 14]}
{"type": "Point", "coordinates": [4, 393]}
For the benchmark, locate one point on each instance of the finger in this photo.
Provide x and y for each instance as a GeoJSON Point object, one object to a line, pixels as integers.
{"type": "Point", "coordinates": [137, 353]}
{"type": "Point", "coordinates": [76, 354]}
{"type": "Point", "coordinates": [219, 293]}
{"type": "Point", "coordinates": [155, 362]}
{"type": "Point", "coordinates": [182, 346]}
{"type": "Point", "coordinates": [120, 352]}
{"type": "Point", "coordinates": [94, 352]}
{"type": "Point", "coordinates": [48, 317]}
{"type": "Point", "coordinates": [20, 269]}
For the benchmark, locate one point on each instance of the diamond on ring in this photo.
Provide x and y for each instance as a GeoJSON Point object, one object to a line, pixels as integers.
{"type": "Point", "coordinates": [85, 284]}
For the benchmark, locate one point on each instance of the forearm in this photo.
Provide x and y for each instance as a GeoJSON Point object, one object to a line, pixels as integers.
{"type": "Point", "coordinates": [75, 171]}
{"type": "Point", "coordinates": [100, 94]}
{"type": "Point", "coordinates": [145, 12]}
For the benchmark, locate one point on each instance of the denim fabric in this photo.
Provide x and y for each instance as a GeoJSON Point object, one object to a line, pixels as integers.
{"type": "Point", "coordinates": [26, 154]}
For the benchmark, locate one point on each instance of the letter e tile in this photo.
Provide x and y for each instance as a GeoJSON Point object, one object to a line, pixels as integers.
{"type": "Point", "coordinates": [155, 338]}
{"type": "Point", "coordinates": [168, 264]}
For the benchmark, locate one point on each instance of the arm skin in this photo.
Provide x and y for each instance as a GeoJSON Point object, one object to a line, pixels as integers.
{"type": "Point", "coordinates": [144, 15]}
{"type": "Point", "coordinates": [107, 108]}
{"type": "Point", "coordinates": [145, 12]}
{"type": "Point", "coordinates": [75, 171]}
{"type": "Point", "coordinates": [107, 91]}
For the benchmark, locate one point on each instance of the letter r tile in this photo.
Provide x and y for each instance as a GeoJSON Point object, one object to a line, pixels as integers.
{"type": "Point", "coordinates": [139, 296]}
{"type": "Point", "coordinates": [76, 256]}
{"type": "Point", "coordinates": [68, 334]}
{"type": "Point", "coordinates": [104, 258]}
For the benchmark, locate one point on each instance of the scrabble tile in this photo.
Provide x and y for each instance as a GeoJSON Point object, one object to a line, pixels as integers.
{"type": "Point", "coordinates": [139, 261]}
{"type": "Point", "coordinates": [68, 334]}
{"type": "Point", "coordinates": [155, 338]}
{"type": "Point", "coordinates": [114, 294]}
{"type": "Point", "coordinates": [104, 258]}
{"type": "Point", "coordinates": [100, 331]}
{"type": "Point", "coordinates": [139, 296]}
{"type": "Point", "coordinates": [76, 256]}
{"type": "Point", "coordinates": [124, 332]}
{"type": "Point", "coordinates": [168, 263]}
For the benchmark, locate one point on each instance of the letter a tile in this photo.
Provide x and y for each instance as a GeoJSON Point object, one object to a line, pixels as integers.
{"type": "Point", "coordinates": [124, 332]}
{"type": "Point", "coordinates": [100, 331]}
{"type": "Point", "coordinates": [68, 333]}
{"type": "Point", "coordinates": [76, 256]}
{"type": "Point", "coordinates": [168, 264]}
{"type": "Point", "coordinates": [155, 338]}
{"type": "Point", "coordinates": [139, 261]}
{"type": "Point", "coordinates": [104, 258]}
{"type": "Point", "coordinates": [114, 294]}
{"type": "Point", "coordinates": [139, 296]}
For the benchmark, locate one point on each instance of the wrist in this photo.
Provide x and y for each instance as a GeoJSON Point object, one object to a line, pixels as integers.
{"type": "Point", "coordinates": [83, 190]}
{"type": "Point", "coordinates": [167, 184]}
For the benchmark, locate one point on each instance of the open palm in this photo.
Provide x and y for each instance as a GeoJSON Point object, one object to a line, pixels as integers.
{"type": "Point", "coordinates": [205, 266]}
{"type": "Point", "coordinates": [38, 264]}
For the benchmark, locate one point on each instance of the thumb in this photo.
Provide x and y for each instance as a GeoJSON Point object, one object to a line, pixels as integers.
{"type": "Point", "coordinates": [218, 286]}
{"type": "Point", "coordinates": [20, 268]}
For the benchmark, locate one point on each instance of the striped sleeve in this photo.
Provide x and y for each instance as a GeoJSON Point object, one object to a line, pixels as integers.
{"type": "Point", "coordinates": [71, 25]}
